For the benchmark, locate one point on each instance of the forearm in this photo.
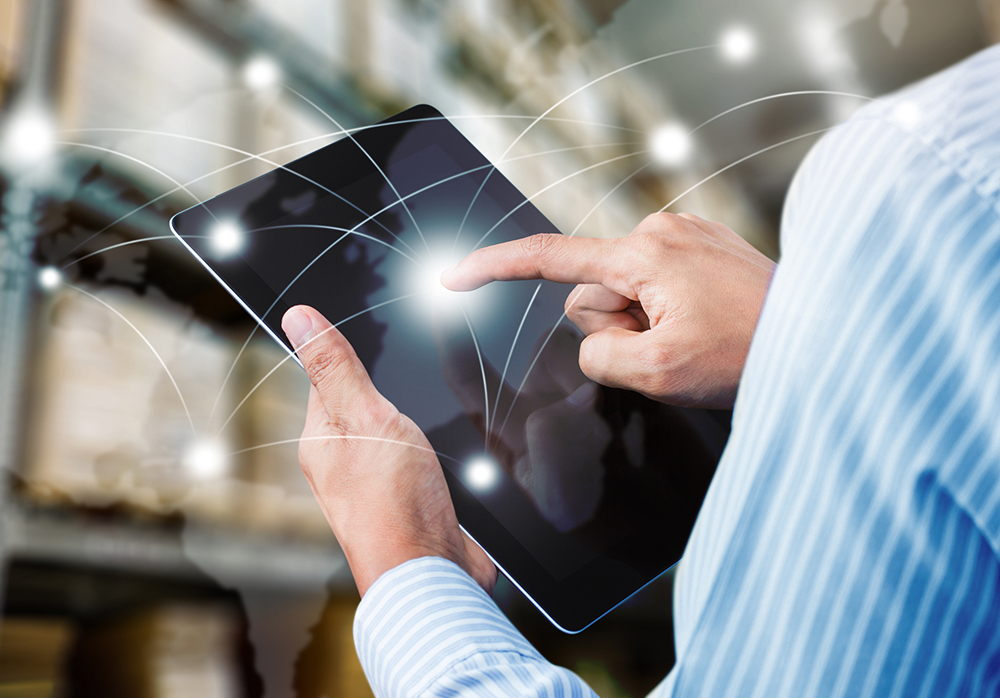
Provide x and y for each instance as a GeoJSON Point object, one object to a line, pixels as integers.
{"type": "Point", "coordinates": [426, 628]}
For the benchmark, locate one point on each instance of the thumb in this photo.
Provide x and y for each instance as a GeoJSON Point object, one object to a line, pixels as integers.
{"type": "Point", "coordinates": [328, 358]}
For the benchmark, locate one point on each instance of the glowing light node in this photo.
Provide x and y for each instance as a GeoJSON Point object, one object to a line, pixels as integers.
{"type": "Point", "coordinates": [227, 238]}
{"type": "Point", "coordinates": [738, 45]}
{"type": "Point", "coordinates": [49, 278]}
{"type": "Point", "coordinates": [433, 281]}
{"type": "Point", "coordinates": [481, 474]}
{"type": "Point", "coordinates": [671, 145]}
{"type": "Point", "coordinates": [428, 282]}
{"type": "Point", "coordinates": [206, 460]}
{"type": "Point", "coordinates": [29, 137]}
{"type": "Point", "coordinates": [907, 114]}
{"type": "Point", "coordinates": [261, 72]}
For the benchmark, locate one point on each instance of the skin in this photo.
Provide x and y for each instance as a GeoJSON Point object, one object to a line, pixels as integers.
{"type": "Point", "coordinates": [668, 311]}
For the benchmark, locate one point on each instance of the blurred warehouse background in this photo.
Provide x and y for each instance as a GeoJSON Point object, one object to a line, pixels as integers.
{"type": "Point", "coordinates": [154, 546]}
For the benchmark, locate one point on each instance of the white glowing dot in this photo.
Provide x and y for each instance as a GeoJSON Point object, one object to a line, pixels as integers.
{"type": "Point", "coordinates": [206, 460]}
{"type": "Point", "coordinates": [227, 237]}
{"type": "Point", "coordinates": [671, 145]}
{"type": "Point", "coordinates": [433, 283]}
{"type": "Point", "coordinates": [481, 474]}
{"type": "Point", "coordinates": [738, 44]}
{"type": "Point", "coordinates": [907, 114]}
{"type": "Point", "coordinates": [260, 73]}
{"type": "Point", "coordinates": [49, 278]}
{"type": "Point", "coordinates": [428, 281]}
{"type": "Point", "coordinates": [29, 137]}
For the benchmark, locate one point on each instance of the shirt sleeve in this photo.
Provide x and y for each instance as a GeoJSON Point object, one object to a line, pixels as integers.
{"type": "Point", "coordinates": [426, 628]}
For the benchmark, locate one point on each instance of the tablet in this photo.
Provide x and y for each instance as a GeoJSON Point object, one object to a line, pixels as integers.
{"type": "Point", "coordinates": [580, 494]}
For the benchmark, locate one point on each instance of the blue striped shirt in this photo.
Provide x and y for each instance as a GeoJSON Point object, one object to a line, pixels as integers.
{"type": "Point", "coordinates": [849, 544]}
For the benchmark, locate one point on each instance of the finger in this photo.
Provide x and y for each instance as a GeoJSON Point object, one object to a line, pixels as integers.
{"type": "Point", "coordinates": [560, 258]}
{"type": "Point", "coordinates": [593, 321]}
{"type": "Point", "coordinates": [618, 358]}
{"type": "Point", "coordinates": [596, 297]}
{"type": "Point", "coordinates": [334, 369]}
{"type": "Point", "coordinates": [592, 308]}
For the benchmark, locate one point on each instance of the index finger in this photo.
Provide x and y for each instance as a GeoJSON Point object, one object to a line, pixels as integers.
{"type": "Point", "coordinates": [551, 256]}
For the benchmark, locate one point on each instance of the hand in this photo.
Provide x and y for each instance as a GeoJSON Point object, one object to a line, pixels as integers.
{"type": "Point", "coordinates": [668, 311]}
{"type": "Point", "coordinates": [372, 470]}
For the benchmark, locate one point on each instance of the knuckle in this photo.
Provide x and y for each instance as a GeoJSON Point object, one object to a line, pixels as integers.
{"type": "Point", "coordinates": [647, 245]}
{"type": "Point", "coordinates": [656, 222]}
{"type": "Point", "coordinates": [650, 358]}
{"type": "Point", "coordinates": [662, 237]}
{"type": "Point", "coordinates": [323, 366]}
{"type": "Point", "coordinates": [655, 368]}
{"type": "Point", "coordinates": [342, 424]}
{"type": "Point", "coordinates": [538, 246]}
{"type": "Point", "coordinates": [660, 218]}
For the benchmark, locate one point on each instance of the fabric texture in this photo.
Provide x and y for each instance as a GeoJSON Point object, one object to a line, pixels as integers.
{"type": "Point", "coordinates": [849, 544]}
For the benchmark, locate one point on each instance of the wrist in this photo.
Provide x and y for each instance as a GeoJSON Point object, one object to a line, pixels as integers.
{"type": "Point", "coordinates": [370, 561]}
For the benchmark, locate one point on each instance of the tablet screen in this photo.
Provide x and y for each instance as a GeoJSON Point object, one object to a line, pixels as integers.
{"type": "Point", "coordinates": [577, 491]}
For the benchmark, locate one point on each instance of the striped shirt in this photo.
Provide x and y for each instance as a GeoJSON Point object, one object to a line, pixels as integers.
{"type": "Point", "coordinates": [849, 544]}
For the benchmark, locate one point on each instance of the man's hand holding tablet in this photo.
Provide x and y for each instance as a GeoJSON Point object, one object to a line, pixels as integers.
{"type": "Point", "coordinates": [372, 470]}
{"type": "Point", "coordinates": [669, 312]}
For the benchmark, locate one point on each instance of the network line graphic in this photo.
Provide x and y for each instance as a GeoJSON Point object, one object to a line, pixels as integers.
{"type": "Point", "coordinates": [672, 147]}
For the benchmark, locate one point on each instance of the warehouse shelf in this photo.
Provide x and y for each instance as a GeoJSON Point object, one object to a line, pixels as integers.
{"type": "Point", "coordinates": [63, 537]}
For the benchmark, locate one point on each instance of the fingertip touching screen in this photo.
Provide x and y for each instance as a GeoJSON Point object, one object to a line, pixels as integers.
{"type": "Point", "coordinates": [580, 493]}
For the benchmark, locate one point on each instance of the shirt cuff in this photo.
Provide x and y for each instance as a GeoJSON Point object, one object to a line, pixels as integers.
{"type": "Point", "coordinates": [422, 619]}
